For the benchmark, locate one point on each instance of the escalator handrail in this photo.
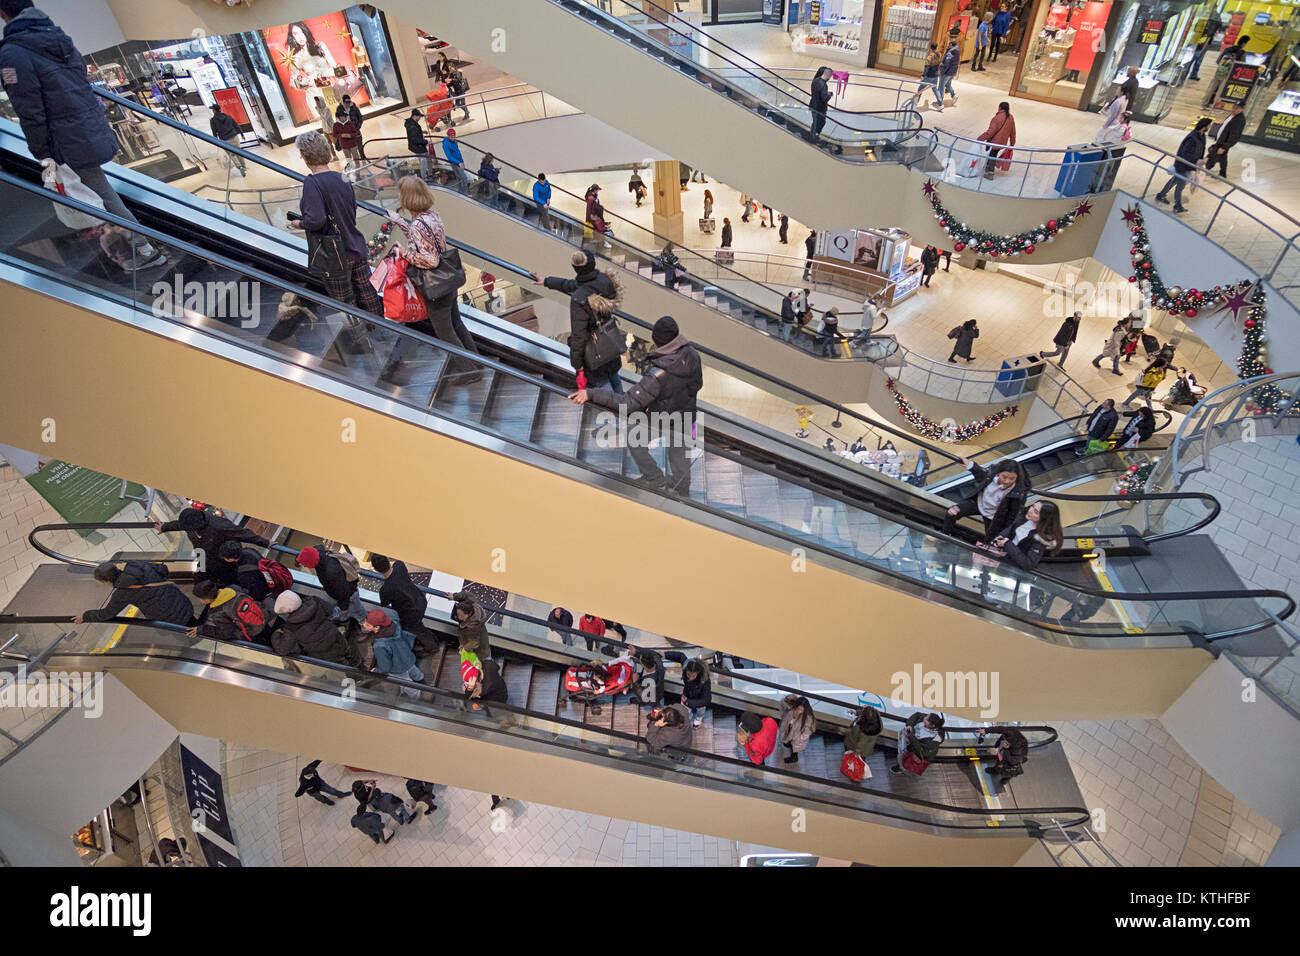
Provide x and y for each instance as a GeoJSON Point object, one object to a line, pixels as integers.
{"type": "Point", "coordinates": [459, 697]}
{"type": "Point", "coordinates": [542, 385]}
{"type": "Point", "coordinates": [1213, 507]}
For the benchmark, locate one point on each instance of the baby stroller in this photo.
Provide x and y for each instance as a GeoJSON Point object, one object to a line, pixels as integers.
{"type": "Point", "coordinates": [585, 683]}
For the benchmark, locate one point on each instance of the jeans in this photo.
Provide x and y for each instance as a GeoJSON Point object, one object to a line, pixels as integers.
{"type": "Point", "coordinates": [462, 178]}
{"type": "Point", "coordinates": [931, 84]}
{"type": "Point", "coordinates": [1179, 183]}
{"type": "Point", "coordinates": [679, 463]}
{"type": "Point", "coordinates": [1197, 57]}
{"type": "Point", "coordinates": [1142, 393]}
{"type": "Point", "coordinates": [1114, 362]}
{"type": "Point", "coordinates": [828, 346]}
{"type": "Point", "coordinates": [413, 674]}
{"type": "Point", "coordinates": [352, 610]}
{"type": "Point", "coordinates": [818, 121]}
{"type": "Point", "coordinates": [697, 713]}
{"type": "Point", "coordinates": [945, 83]}
{"type": "Point", "coordinates": [544, 215]}
{"type": "Point", "coordinates": [1063, 351]}
{"type": "Point", "coordinates": [324, 788]}
{"type": "Point", "coordinates": [612, 379]}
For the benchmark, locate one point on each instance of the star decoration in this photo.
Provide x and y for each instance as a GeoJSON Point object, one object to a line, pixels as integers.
{"type": "Point", "coordinates": [928, 188]}
{"type": "Point", "coordinates": [1083, 208]}
{"type": "Point", "coordinates": [1131, 214]}
{"type": "Point", "coordinates": [286, 58]}
{"type": "Point", "coordinates": [1238, 300]}
{"type": "Point", "coordinates": [345, 34]}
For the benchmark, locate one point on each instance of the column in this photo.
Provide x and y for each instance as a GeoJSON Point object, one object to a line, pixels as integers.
{"type": "Point", "coordinates": [668, 200]}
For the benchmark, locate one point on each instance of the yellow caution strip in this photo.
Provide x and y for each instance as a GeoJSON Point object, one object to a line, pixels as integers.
{"type": "Point", "coordinates": [1104, 580]}
{"type": "Point", "coordinates": [118, 631]}
{"type": "Point", "coordinates": [973, 754]}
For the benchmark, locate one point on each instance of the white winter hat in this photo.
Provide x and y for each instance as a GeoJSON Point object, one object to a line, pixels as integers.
{"type": "Point", "coordinates": [287, 603]}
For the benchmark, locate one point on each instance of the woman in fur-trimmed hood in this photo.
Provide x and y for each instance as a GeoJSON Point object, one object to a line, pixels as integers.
{"type": "Point", "coordinates": [594, 296]}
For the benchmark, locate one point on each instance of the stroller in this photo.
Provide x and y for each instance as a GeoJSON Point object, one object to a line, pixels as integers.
{"type": "Point", "coordinates": [586, 683]}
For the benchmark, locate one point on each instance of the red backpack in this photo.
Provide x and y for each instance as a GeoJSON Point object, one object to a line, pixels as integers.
{"type": "Point", "coordinates": [250, 614]}
{"type": "Point", "coordinates": [278, 577]}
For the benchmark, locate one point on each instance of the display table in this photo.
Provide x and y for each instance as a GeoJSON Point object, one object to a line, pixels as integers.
{"type": "Point", "coordinates": [1280, 126]}
{"type": "Point", "coordinates": [1151, 103]}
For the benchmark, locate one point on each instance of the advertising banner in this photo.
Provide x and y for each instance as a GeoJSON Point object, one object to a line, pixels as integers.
{"type": "Point", "coordinates": [207, 803]}
{"type": "Point", "coordinates": [840, 245]}
{"type": "Point", "coordinates": [80, 495]}
{"type": "Point", "coordinates": [774, 12]}
{"type": "Point", "coordinates": [233, 106]}
{"type": "Point", "coordinates": [313, 57]}
{"type": "Point", "coordinates": [1282, 129]}
{"type": "Point", "coordinates": [1151, 32]}
{"type": "Point", "coordinates": [1239, 84]}
{"type": "Point", "coordinates": [1090, 29]}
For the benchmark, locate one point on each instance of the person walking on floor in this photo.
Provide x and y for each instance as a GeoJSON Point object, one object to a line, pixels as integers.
{"type": "Point", "coordinates": [1229, 134]}
{"type": "Point", "coordinates": [819, 100]}
{"type": "Point", "coordinates": [948, 70]}
{"type": "Point", "coordinates": [965, 336]}
{"type": "Point", "coordinates": [724, 241]}
{"type": "Point", "coordinates": [371, 824]}
{"type": "Point", "coordinates": [708, 204]}
{"type": "Point", "coordinates": [1151, 377]}
{"type": "Point", "coordinates": [930, 78]}
{"type": "Point", "coordinates": [999, 28]}
{"type": "Point", "coordinates": [810, 249]}
{"type": "Point", "coordinates": [225, 128]}
{"type": "Point", "coordinates": [1100, 426]}
{"type": "Point", "coordinates": [311, 783]}
{"type": "Point", "coordinates": [983, 36]}
{"type": "Point", "coordinates": [929, 264]}
{"type": "Point", "coordinates": [1226, 61]}
{"type": "Point", "coordinates": [348, 138]}
{"type": "Point", "coordinates": [44, 76]}
{"type": "Point", "coordinates": [1113, 347]}
{"type": "Point", "coordinates": [594, 296]}
{"type": "Point", "coordinates": [421, 791]}
{"type": "Point", "coordinates": [1064, 338]}
{"type": "Point", "coordinates": [326, 120]}
{"type": "Point", "coordinates": [1001, 135]}
{"type": "Point", "coordinates": [1190, 152]}
{"type": "Point", "coordinates": [371, 798]}
{"type": "Point", "coordinates": [783, 234]}
{"type": "Point", "coordinates": [329, 203]}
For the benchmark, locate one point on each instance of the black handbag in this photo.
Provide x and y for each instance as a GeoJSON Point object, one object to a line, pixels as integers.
{"type": "Point", "coordinates": [326, 255]}
{"type": "Point", "coordinates": [445, 279]}
{"type": "Point", "coordinates": [606, 344]}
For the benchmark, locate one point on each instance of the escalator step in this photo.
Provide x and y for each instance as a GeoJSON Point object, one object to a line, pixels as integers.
{"type": "Point", "coordinates": [449, 672]}
{"type": "Point", "coordinates": [518, 676]}
{"type": "Point", "coordinates": [557, 424]}
{"type": "Point", "coordinates": [417, 378]}
{"type": "Point", "coordinates": [600, 444]}
{"type": "Point", "coordinates": [722, 484]}
{"type": "Point", "coordinates": [627, 716]}
{"type": "Point", "coordinates": [544, 691]}
{"type": "Point", "coordinates": [512, 408]}
{"type": "Point", "coordinates": [605, 718]}
{"type": "Point", "coordinates": [462, 400]}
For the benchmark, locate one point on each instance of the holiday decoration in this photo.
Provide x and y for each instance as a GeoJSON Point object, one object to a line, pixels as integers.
{"type": "Point", "coordinates": [1134, 481]}
{"type": "Point", "coordinates": [376, 244]}
{"type": "Point", "coordinates": [994, 245]}
{"type": "Point", "coordinates": [950, 432]}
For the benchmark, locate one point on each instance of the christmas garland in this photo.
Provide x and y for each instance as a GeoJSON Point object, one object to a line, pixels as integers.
{"type": "Point", "coordinates": [375, 247]}
{"type": "Point", "coordinates": [1246, 295]}
{"type": "Point", "coordinates": [991, 244]}
{"type": "Point", "coordinates": [951, 432]}
{"type": "Point", "coordinates": [1134, 481]}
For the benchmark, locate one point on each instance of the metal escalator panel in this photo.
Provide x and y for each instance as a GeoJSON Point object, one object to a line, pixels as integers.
{"type": "Point", "coordinates": [559, 425]}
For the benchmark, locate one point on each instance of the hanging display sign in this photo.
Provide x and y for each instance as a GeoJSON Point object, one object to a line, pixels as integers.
{"type": "Point", "coordinates": [1151, 32]}
{"type": "Point", "coordinates": [1090, 27]}
{"type": "Point", "coordinates": [207, 803]}
{"type": "Point", "coordinates": [815, 12]}
{"type": "Point", "coordinates": [1239, 84]}
{"type": "Point", "coordinates": [840, 245]}
{"type": "Point", "coordinates": [773, 12]}
{"type": "Point", "coordinates": [1058, 15]}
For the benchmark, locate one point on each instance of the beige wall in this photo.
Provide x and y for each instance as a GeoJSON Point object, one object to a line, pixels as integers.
{"type": "Point", "coordinates": [285, 724]}
{"type": "Point", "coordinates": [141, 406]}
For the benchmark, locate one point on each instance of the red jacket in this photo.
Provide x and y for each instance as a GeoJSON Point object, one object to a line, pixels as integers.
{"type": "Point", "coordinates": [592, 625]}
{"type": "Point", "coordinates": [760, 745]}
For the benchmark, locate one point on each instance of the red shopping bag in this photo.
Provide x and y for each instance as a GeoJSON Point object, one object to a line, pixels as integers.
{"type": "Point", "coordinates": [402, 301]}
{"type": "Point", "coordinates": [379, 274]}
{"type": "Point", "coordinates": [852, 766]}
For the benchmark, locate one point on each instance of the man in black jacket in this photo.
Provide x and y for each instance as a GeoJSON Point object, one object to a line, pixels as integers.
{"type": "Point", "coordinates": [669, 390]}
{"type": "Point", "coordinates": [207, 533]}
{"type": "Point", "coordinates": [1102, 422]}
{"type": "Point", "coordinates": [225, 128]}
{"type": "Point", "coordinates": [237, 565]}
{"type": "Point", "coordinates": [593, 297]}
{"type": "Point", "coordinates": [810, 250]}
{"type": "Point", "coordinates": [999, 498]}
{"type": "Point", "coordinates": [354, 117]}
{"type": "Point", "coordinates": [145, 585]}
{"type": "Point", "coordinates": [1065, 336]}
{"type": "Point", "coordinates": [311, 783]}
{"type": "Point", "coordinates": [401, 594]}
{"type": "Point", "coordinates": [1229, 134]}
{"type": "Point", "coordinates": [788, 317]}
{"type": "Point", "coordinates": [335, 580]}
{"type": "Point", "coordinates": [1190, 152]}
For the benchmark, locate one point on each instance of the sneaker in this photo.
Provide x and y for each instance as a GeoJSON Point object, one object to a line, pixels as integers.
{"type": "Point", "coordinates": [894, 769]}
{"type": "Point", "coordinates": [388, 834]}
{"type": "Point", "coordinates": [697, 721]}
{"type": "Point", "coordinates": [1161, 198]}
{"type": "Point", "coordinates": [1180, 209]}
{"type": "Point", "coordinates": [1096, 364]}
{"type": "Point", "coordinates": [659, 484]}
{"type": "Point", "coordinates": [150, 262]}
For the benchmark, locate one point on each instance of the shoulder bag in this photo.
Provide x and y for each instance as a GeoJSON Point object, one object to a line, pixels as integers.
{"type": "Point", "coordinates": [326, 255]}
{"type": "Point", "coordinates": [442, 280]}
{"type": "Point", "coordinates": [605, 344]}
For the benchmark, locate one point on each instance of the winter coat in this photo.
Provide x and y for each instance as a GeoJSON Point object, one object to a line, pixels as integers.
{"type": "Point", "coordinates": [223, 126]}
{"type": "Point", "coordinates": [401, 594]}
{"type": "Point", "coordinates": [726, 235]}
{"type": "Point", "coordinates": [671, 384]}
{"type": "Point", "coordinates": [248, 577]}
{"type": "Point", "coordinates": [451, 149]}
{"type": "Point", "coordinates": [951, 60]}
{"type": "Point", "coordinates": [760, 745]}
{"type": "Point", "coordinates": [354, 116]}
{"type": "Point", "coordinates": [44, 76]}
{"type": "Point", "coordinates": [860, 742]}
{"type": "Point", "coordinates": [821, 95]}
{"type": "Point", "coordinates": [473, 630]}
{"type": "Point", "coordinates": [1190, 152]}
{"type": "Point", "coordinates": [929, 261]}
{"type": "Point", "coordinates": [489, 172]}
{"type": "Point", "coordinates": [932, 61]}
{"type": "Point", "coordinates": [346, 135]}
{"type": "Point", "coordinates": [593, 297]}
{"type": "Point", "coordinates": [219, 622]}
{"type": "Point", "coordinates": [1027, 553]}
{"type": "Point", "coordinates": [1009, 508]}
{"type": "Point", "coordinates": [541, 193]}
{"type": "Point", "coordinates": [1138, 425]}
{"type": "Point", "coordinates": [787, 311]}
{"type": "Point", "coordinates": [649, 687]}
{"type": "Point", "coordinates": [415, 139]}
{"type": "Point", "coordinates": [927, 748]}
{"type": "Point", "coordinates": [308, 631]}
{"type": "Point", "coordinates": [660, 737]}
{"type": "Point", "coordinates": [1067, 333]}
{"type": "Point", "coordinates": [495, 690]}
{"type": "Point", "coordinates": [1112, 346]}
{"type": "Point", "coordinates": [698, 693]}
{"type": "Point", "coordinates": [334, 579]}
{"type": "Point", "coordinates": [1102, 422]}
{"type": "Point", "coordinates": [794, 733]}
{"type": "Point", "coordinates": [965, 340]}
{"type": "Point", "coordinates": [215, 532]}
{"type": "Point", "coordinates": [369, 823]}
{"type": "Point", "coordinates": [145, 585]}
{"type": "Point", "coordinates": [309, 780]}
{"type": "Point", "coordinates": [393, 651]}
{"type": "Point", "coordinates": [1001, 132]}
{"type": "Point", "coordinates": [1230, 132]}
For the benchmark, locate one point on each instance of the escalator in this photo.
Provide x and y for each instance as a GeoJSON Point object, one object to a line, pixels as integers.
{"type": "Point", "coordinates": [953, 799]}
{"type": "Point", "coordinates": [753, 497]}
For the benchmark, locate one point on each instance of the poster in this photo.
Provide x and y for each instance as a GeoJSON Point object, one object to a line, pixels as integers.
{"type": "Point", "coordinates": [1239, 84]}
{"type": "Point", "coordinates": [1058, 15]}
{"type": "Point", "coordinates": [866, 251]}
{"type": "Point", "coordinates": [1090, 29]}
{"type": "Point", "coordinates": [207, 803]}
{"type": "Point", "coordinates": [773, 11]}
{"type": "Point", "coordinates": [231, 104]}
{"type": "Point", "coordinates": [308, 56]}
{"type": "Point", "coordinates": [1151, 32]}
{"type": "Point", "coordinates": [80, 495]}
{"type": "Point", "coordinates": [1281, 129]}
{"type": "Point", "coordinates": [840, 245]}
{"type": "Point", "coordinates": [815, 13]}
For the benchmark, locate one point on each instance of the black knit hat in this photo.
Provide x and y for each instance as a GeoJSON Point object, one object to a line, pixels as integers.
{"type": "Point", "coordinates": [750, 722]}
{"type": "Point", "coordinates": [665, 330]}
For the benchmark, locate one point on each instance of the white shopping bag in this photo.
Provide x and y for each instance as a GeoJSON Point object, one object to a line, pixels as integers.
{"type": "Point", "coordinates": [62, 180]}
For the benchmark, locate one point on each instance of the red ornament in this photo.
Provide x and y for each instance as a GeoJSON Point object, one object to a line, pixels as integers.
{"type": "Point", "coordinates": [1268, 371]}
{"type": "Point", "coordinates": [1029, 250]}
{"type": "Point", "coordinates": [1249, 323]}
{"type": "Point", "coordinates": [1133, 251]}
{"type": "Point", "coordinates": [959, 246]}
{"type": "Point", "coordinates": [1051, 224]}
{"type": "Point", "coordinates": [943, 223]}
{"type": "Point", "coordinates": [1193, 293]}
{"type": "Point", "coordinates": [1132, 278]}
{"type": "Point", "coordinates": [1190, 313]}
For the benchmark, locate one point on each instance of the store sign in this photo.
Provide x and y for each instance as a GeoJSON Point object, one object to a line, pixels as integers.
{"type": "Point", "coordinates": [1090, 30]}
{"type": "Point", "coordinates": [778, 859]}
{"type": "Point", "coordinates": [1151, 32]}
{"type": "Point", "coordinates": [1239, 84]}
{"type": "Point", "coordinates": [207, 803]}
{"type": "Point", "coordinates": [815, 12]}
{"type": "Point", "coordinates": [1281, 129]}
{"type": "Point", "coordinates": [1058, 16]}
{"type": "Point", "coordinates": [840, 245]}
{"type": "Point", "coordinates": [231, 104]}
{"type": "Point", "coordinates": [773, 11]}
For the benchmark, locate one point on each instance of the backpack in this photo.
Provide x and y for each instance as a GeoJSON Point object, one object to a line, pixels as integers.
{"type": "Point", "coordinates": [249, 614]}
{"type": "Point", "coordinates": [278, 577]}
{"type": "Point", "coordinates": [351, 567]}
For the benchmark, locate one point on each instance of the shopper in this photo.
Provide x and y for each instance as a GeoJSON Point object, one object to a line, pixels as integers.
{"type": "Point", "coordinates": [783, 234]}
{"type": "Point", "coordinates": [788, 316]}
{"type": "Point", "coordinates": [1000, 135]}
{"type": "Point", "coordinates": [1140, 427]}
{"type": "Point", "coordinates": [797, 725]}
{"type": "Point", "coordinates": [1147, 382]}
{"type": "Point", "coordinates": [1000, 27]}
{"type": "Point", "coordinates": [354, 117]}
{"type": "Point", "coordinates": [144, 585]}
{"type": "Point", "coordinates": [225, 128]}
{"type": "Point", "coordinates": [1229, 58]}
{"type": "Point", "coordinates": [542, 197]}
{"type": "Point", "coordinates": [426, 244]}
{"type": "Point", "coordinates": [830, 336]}
{"type": "Point", "coordinates": [1032, 535]}
{"type": "Point", "coordinates": [863, 733]}
{"type": "Point", "coordinates": [228, 614]}
{"type": "Point", "coordinates": [1119, 131]}
{"type": "Point", "coordinates": [370, 797]}
{"type": "Point", "coordinates": [1064, 338]}
{"type": "Point", "coordinates": [1100, 426]}
{"type": "Point", "coordinates": [44, 76]}
{"type": "Point", "coordinates": [595, 626]}
{"type": "Point", "coordinates": [1210, 31]}
{"type": "Point", "coordinates": [668, 261]}
{"type": "Point", "coordinates": [983, 36]}
{"type": "Point", "coordinates": [471, 623]}
{"type": "Point", "coordinates": [965, 336]}
{"type": "Point", "coordinates": [810, 250]}
{"type": "Point", "coordinates": [237, 566]}
{"type": "Point", "coordinates": [747, 205]}
{"type": "Point", "coordinates": [326, 120]}
{"type": "Point", "coordinates": [347, 137]}
{"type": "Point", "coordinates": [329, 203]}
{"type": "Point", "coordinates": [593, 298]}
{"type": "Point", "coordinates": [207, 533]}
{"type": "Point", "coordinates": [313, 785]}
{"type": "Point", "coordinates": [490, 174]}
{"type": "Point", "coordinates": [1112, 348]}
{"type": "Point", "coordinates": [1129, 88]}
{"type": "Point", "coordinates": [371, 824]}
{"type": "Point", "coordinates": [305, 628]}
{"type": "Point", "coordinates": [669, 727]}
{"type": "Point", "coordinates": [929, 265]}
{"type": "Point", "coordinates": [697, 690]}
{"type": "Point", "coordinates": [560, 622]}
{"type": "Point", "coordinates": [725, 240]}
{"type": "Point", "coordinates": [386, 648]}
{"type": "Point", "coordinates": [451, 149]}
{"type": "Point", "coordinates": [1190, 152]}
{"type": "Point", "coordinates": [416, 142]}
{"type": "Point", "coordinates": [339, 575]}
{"type": "Point", "coordinates": [819, 100]}
{"type": "Point", "coordinates": [458, 86]}
{"type": "Point", "coordinates": [708, 204]}
{"type": "Point", "coordinates": [948, 70]}
{"type": "Point", "coordinates": [668, 390]}
{"type": "Point", "coordinates": [595, 217]}
{"type": "Point", "coordinates": [998, 498]}
{"type": "Point", "coordinates": [1011, 756]}
{"type": "Point", "coordinates": [930, 78]}
{"type": "Point", "coordinates": [757, 735]}
{"type": "Point", "coordinates": [421, 791]}
{"type": "Point", "coordinates": [1229, 134]}
{"type": "Point", "coordinates": [921, 737]}
{"type": "Point", "coordinates": [410, 603]}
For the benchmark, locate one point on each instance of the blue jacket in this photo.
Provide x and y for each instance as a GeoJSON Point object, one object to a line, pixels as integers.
{"type": "Point", "coordinates": [951, 59]}
{"type": "Point", "coordinates": [982, 36]}
{"type": "Point", "coordinates": [1190, 151]}
{"type": "Point", "coordinates": [491, 173]}
{"type": "Point", "coordinates": [1001, 23]}
{"type": "Point", "coordinates": [45, 78]}
{"type": "Point", "coordinates": [542, 192]}
{"type": "Point", "coordinates": [451, 149]}
{"type": "Point", "coordinates": [393, 654]}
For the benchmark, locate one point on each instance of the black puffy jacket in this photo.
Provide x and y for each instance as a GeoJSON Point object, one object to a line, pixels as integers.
{"type": "Point", "coordinates": [415, 140]}
{"type": "Point", "coordinates": [821, 95]}
{"type": "Point", "coordinates": [334, 580]}
{"type": "Point", "coordinates": [308, 631]}
{"type": "Point", "coordinates": [1010, 508]}
{"type": "Point", "coordinates": [698, 693]}
{"type": "Point", "coordinates": [593, 297]}
{"type": "Point", "coordinates": [671, 385]}
{"type": "Point", "coordinates": [45, 78]}
{"type": "Point", "coordinates": [210, 533]}
{"type": "Point", "coordinates": [223, 126]}
{"type": "Point", "coordinates": [145, 584]}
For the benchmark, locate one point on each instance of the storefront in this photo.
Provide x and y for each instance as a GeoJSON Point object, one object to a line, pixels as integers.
{"type": "Point", "coordinates": [862, 262]}
{"type": "Point", "coordinates": [1064, 45]}
{"type": "Point", "coordinates": [268, 80]}
{"type": "Point", "coordinates": [831, 30]}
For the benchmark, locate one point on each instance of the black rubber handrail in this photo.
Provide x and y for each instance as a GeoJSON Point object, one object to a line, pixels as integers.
{"type": "Point", "coordinates": [400, 703]}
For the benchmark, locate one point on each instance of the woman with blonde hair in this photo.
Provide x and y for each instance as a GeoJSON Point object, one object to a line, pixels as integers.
{"type": "Point", "coordinates": [426, 245]}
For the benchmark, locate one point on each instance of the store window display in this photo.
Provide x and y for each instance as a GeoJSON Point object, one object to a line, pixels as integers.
{"type": "Point", "coordinates": [906, 32]}
{"type": "Point", "coordinates": [1061, 49]}
{"type": "Point", "coordinates": [837, 34]}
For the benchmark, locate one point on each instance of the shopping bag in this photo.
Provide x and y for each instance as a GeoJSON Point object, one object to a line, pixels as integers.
{"type": "Point", "coordinates": [914, 764]}
{"type": "Point", "coordinates": [851, 766]}
{"type": "Point", "coordinates": [402, 302]}
{"type": "Point", "coordinates": [62, 180]}
{"type": "Point", "coordinates": [379, 277]}
{"type": "Point", "coordinates": [1096, 445]}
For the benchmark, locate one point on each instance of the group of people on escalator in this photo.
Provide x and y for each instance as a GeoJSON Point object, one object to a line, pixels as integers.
{"type": "Point", "coordinates": [1015, 530]}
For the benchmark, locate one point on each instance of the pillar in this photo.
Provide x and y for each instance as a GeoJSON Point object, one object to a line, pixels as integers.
{"type": "Point", "coordinates": [668, 200]}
